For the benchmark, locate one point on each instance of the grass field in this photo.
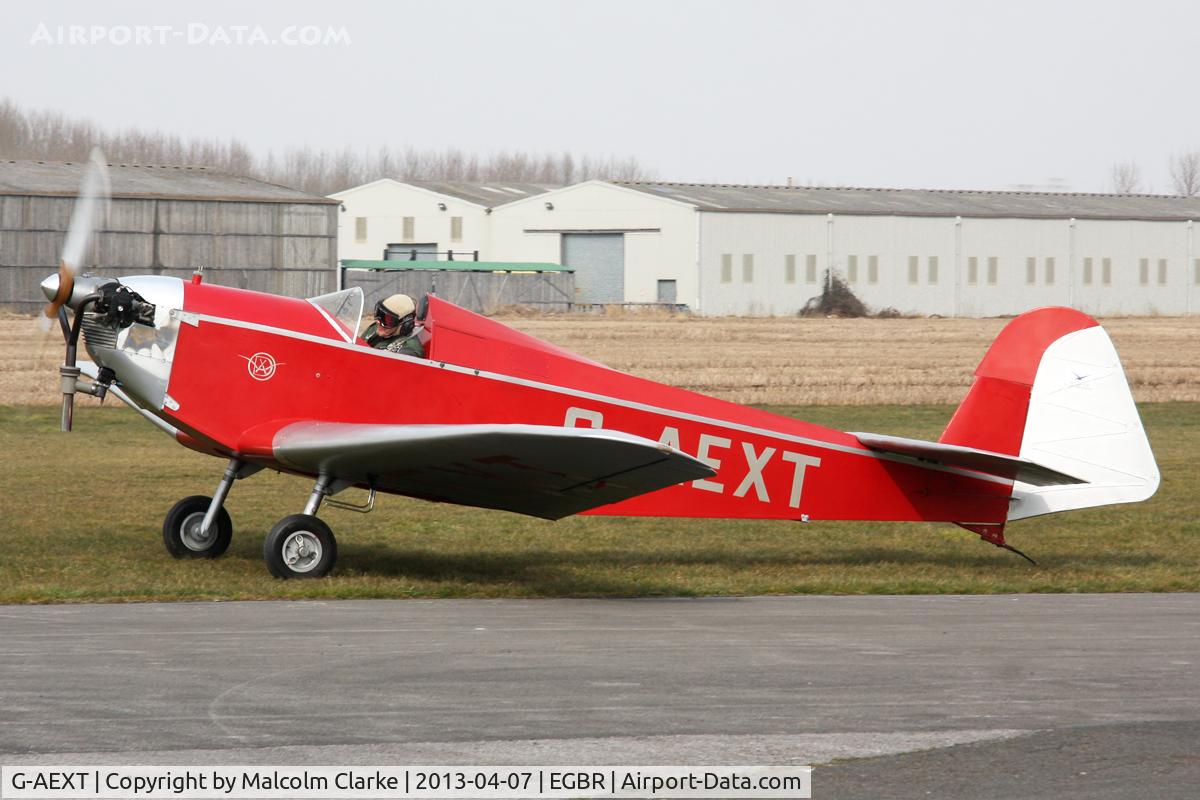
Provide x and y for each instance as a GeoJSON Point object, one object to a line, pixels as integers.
{"type": "Point", "coordinates": [83, 512]}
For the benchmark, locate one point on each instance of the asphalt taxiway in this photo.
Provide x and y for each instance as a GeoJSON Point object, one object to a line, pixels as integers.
{"type": "Point", "coordinates": [992, 696]}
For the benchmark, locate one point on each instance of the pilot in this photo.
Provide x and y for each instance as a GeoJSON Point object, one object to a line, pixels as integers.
{"type": "Point", "coordinates": [392, 329]}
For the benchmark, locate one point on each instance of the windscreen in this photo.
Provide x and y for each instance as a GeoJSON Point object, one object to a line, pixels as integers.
{"type": "Point", "coordinates": [343, 310]}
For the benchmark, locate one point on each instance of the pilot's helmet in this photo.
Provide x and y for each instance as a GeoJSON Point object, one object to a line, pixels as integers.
{"type": "Point", "coordinates": [397, 310]}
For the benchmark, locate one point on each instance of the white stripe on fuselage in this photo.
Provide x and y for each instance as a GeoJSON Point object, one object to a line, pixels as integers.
{"type": "Point", "coordinates": [193, 318]}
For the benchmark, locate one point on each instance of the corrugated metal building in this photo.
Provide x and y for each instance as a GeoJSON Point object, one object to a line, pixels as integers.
{"type": "Point", "coordinates": [167, 221]}
{"type": "Point", "coordinates": [760, 250]}
{"type": "Point", "coordinates": [763, 250]}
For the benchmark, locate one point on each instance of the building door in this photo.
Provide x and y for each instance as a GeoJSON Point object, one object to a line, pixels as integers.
{"type": "Point", "coordinates": [599, 263]}
{"type": "Point", "coordinates": [426, 251]}
{"type": "Point", "coordinates": [666, 292]}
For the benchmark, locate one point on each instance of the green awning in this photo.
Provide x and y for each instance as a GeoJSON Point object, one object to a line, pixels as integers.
{"type": "Point", "coordinates": [457, 266]}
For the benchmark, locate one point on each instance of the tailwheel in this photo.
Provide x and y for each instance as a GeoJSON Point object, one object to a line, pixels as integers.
{"type": "Point", "coordinates": [183, 529]}
{"type": "Point", "coordinates": [300, 546]}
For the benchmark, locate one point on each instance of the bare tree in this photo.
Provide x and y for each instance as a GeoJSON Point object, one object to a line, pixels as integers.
{"type": "Point", "coordinates": [50, 135]}
{"type": "Point", "coordinates": [1126, 178]}
{"type": "Point", "coordinates": [1185, 173]}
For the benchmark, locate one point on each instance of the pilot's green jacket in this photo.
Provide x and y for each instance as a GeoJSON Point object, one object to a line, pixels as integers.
{"type": "Point", "coordinates": [409, 346]}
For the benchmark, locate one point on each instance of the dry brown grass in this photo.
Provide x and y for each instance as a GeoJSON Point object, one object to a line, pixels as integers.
{"type": "Point", "coordinates": [772, 361]}
{"type": "Point", "coordinates": [796, 361]}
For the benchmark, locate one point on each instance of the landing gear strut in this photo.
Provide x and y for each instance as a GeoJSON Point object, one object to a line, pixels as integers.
{"type": "Point", "coordinates": [299, 546]}
{"type": "Point", "coordinates": [199, 526]}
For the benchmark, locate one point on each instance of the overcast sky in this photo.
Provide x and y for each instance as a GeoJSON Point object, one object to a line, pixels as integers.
{"type": "Point", "coordinates": [917, 94]}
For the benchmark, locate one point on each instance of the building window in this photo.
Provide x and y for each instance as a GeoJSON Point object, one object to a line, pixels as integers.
{"type": "Point", "coordinates": [1106, 272]}
{"type": "Point", "coordinates": [933, 269]}
{"type": "Point", "coordinates": [409, 229]}
{"type": "Point", "coordinates": [852, 269]}
{"type": "Point", "coordinates": [789, 268]}
{"type": "Point", "coordinates": [810, 269]}
{"type": "Point", "coordinates": [456, 229]}
{"type": "Point", "coordinates": [1144, 271]}
{"type": "Point", "coordinates": [360, 229]}
{"type": "Point", "coordinates": [747, 268]}
{"type": "Point", "coordinates": [726, 267]}
{"type": "Point", "coordinates": [1087, 272]}
{"type": "Point", "coordinates": [972, 270]}
{"type": "Point", "coordinates": [667, 292]}
{"type": "Point", "coordinates": [1049, 271]}
{"type": "Point", "coordinates": [993, 270]}
{"type": "Point", "coordinates": [872, 269]}
{"type": "Point", "coordinates": [1162, 272]}
{"type": "Point", "coordinates": [914, 266]}
{"type": "Point", "coordinates": [1031, 270]}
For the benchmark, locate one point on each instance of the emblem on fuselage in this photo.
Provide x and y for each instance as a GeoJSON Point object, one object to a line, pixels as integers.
{"type": "Point", "coordinates": [261, 366]}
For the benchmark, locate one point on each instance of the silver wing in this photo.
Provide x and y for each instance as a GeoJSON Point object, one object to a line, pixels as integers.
{"type": "Point", "coordinates": [538, 470]}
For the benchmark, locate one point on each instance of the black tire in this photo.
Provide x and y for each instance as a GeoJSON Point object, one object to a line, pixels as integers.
{"type": "Point", "coordinates": [181, 526]}
{"type": "Point", "coordinates": [300, 546]}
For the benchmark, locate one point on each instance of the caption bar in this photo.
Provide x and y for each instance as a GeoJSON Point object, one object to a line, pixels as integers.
{"type": "Point", "coordinates": [300, 783]}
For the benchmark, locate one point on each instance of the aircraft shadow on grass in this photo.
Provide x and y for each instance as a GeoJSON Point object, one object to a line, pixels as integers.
{"type": "Point", "coordinates": [561, 570]}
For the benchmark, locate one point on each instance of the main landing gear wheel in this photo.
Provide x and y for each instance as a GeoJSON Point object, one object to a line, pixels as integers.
{"type": "Point", "coordinates": [300, 546]}
{"type": "Point", "coordinates": [182, 533]}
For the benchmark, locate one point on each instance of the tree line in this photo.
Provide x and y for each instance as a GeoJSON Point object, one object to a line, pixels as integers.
{"type": "Point", "coordinates": [55, 136]}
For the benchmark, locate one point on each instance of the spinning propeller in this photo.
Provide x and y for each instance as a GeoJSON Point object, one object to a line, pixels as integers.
{"type": "Point", "coordinates": [91, 209]}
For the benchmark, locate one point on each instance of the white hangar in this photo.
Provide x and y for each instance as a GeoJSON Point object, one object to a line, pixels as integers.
{"type": "Point", "coordinates": [764, 250]}
{"type": "Point", "coordinates": [423, 220]}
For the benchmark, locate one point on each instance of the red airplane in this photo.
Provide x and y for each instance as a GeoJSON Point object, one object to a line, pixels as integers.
{"type": "Point", "coordinates": [507, 421]}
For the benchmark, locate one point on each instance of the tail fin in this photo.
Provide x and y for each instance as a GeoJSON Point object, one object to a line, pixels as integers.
{"type": "Point", "coordinates": [1051, 391]}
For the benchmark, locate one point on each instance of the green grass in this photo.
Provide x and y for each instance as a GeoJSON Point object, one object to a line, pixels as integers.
{"type": "Point", "coordinates": [82, 516]}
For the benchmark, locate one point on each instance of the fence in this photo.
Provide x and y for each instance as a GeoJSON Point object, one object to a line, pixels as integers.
{"type": "Point", "coordinates": [478, 286]}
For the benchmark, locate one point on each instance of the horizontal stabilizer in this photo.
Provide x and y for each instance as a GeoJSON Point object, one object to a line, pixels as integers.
{"type": "Point", "coordinates": [985, 461]}
{"type": "Point", "coordinates": [539, 470]}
